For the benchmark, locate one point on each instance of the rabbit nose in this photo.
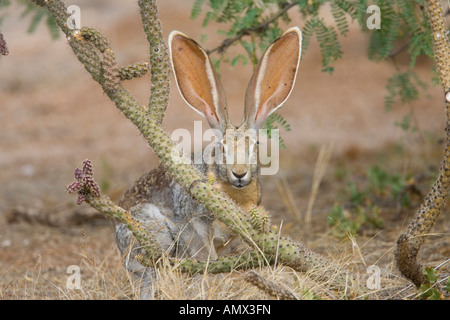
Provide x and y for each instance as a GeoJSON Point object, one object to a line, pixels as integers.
{"type": "Point", "coordinates": [239, 175]}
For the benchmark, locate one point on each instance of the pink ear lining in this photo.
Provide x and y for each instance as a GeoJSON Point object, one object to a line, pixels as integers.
{"type": "Point", "coordinates": [210, 115]}
{"type": "Point", "coordinates": [268, 107]}
{"type": "Point", "coordinates": [264, 86]}
{"type": "Point", "coordinates": [202, 91]}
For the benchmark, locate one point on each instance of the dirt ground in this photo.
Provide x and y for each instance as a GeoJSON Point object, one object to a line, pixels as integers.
{"type": "Point", "coordinates": [53, 116]}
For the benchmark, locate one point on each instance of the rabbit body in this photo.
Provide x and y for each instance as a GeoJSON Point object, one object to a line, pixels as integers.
{"type": "Point", "coordinates": [183, 227]}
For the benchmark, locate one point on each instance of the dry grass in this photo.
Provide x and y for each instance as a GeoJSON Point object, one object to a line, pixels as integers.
{"type": "Point", "coordinates": [319, 171]}
{"type": "Point", "coordinates": [105, 278]}
{"type": "Point", "coordinates": [36, 256]}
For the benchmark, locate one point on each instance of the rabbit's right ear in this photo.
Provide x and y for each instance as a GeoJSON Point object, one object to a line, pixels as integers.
{"type": "Point", "coordinates": [274, 78]}
{"type": "Point", "coordinates": [197, 80]}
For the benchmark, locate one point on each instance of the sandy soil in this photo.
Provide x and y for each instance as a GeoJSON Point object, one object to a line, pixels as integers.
{"type": "Point", "coordinates": [53, 115]}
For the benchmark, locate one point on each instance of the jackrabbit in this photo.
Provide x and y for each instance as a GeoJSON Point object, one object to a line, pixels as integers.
{"type": "Point", "coordinates": [184, 228]}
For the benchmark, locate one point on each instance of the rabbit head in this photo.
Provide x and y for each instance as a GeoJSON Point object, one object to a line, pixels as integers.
{"type": "Point", "coordinates": [236, 151]}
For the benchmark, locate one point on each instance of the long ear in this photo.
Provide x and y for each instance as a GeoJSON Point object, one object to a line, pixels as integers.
{"type": "Point", "coordinates": [196, 79]}
{"type": "Point", "coordinates": [274, 78]}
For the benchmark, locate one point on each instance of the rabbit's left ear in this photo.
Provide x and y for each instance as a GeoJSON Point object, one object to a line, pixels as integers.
{"type": "Point", "coordinates": [274, 78]}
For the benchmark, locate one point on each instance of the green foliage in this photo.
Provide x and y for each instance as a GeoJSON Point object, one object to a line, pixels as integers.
{"type": "Point", "coordinates": [261, 20]}
{"type": "Point", "coordinates": [404, 25]}
{"type": "Point", "coordinates": [327, 37]}
{"type": "Point", "coordinates": [404, 86]}
{"type": "Point", "coordinates": [363, 210]}
{"type": "Point", "coordinates": [308, 294]}
{"type": "Point", "coordinates": [381, 183]}
{"type": "Point", "coordinates": [38, 15]}
{"type": "Point", "coordinates": [254, 24]}
{"type": "Point", "coordinates": [382, 40]}
{"type": "Point", "coordinates": [339, 15]}
{"type": "Point", "coordinates": [196, 8]}
{"type": "Point", "coordinates": [344, 223]}
{"type": "Point", "coordinates": [275, 121]}
{"type": "Point", "coordinates": [329, 45]}
{"type": "Point", "coordinates": [427, 290]}
{"type": "Point", "coordinates": [401, 20]}
{"type": "Point", "coordinates": [3, 5]}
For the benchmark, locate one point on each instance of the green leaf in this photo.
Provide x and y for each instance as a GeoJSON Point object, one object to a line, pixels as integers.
{"type": "Point", "coordinates": [216, 65]}
{"type": "Point", "coordinates": [405, 124]}
{"type": "Point", "coordinates": [5, 3]}
{"type": "Point", "coordinates": [340, 18]}
{"type": "Point", "coordinates": [38, 16]}
{"type": "Point", "coordinates": [236, 59]}
{"type": "Point", "coordinates": [53, 28]}
{"type": "Point", "coordinates": [356, 196]}
{"type": "Point", "coordinates": [329, 45]}
{"type": "Point", "coordinates": [271, 121]}
{"type": "Point", "coordinates": [430, 274]}
{"type": "Point", "coordinates": [308, 31]}
{"type": "Point", "coordinates": [196, 8]}
{"type": "Point", "coordinates": [429, 293]}
{"type": "Point", "coordinates": [404, 86]}
{"type": "Point", "coordinates": [421, 43]}
{"type": "Point", "coordinates": [382, 40]}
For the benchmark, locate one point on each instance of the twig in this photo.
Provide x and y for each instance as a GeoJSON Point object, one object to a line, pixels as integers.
{"type": "Point", "coordinates": [394, 53]}
{"type": "Point", "coordinates": [247, 31]}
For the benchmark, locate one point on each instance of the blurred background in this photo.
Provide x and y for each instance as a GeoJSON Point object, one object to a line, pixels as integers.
{"type": "Point", "coordinates": [53, 116]}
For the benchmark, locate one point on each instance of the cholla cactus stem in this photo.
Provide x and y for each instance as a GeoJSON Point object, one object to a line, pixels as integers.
{"type": "Point", "coordinates": [134, 71]}
{"type": "Point", "coordinates": [409, 243]}
{"type": "Point", "coordinates": [159, 60]}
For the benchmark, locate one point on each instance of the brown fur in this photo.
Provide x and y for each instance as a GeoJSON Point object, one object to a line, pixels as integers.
{"type": "Point", "coordinates": [247, 197]}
